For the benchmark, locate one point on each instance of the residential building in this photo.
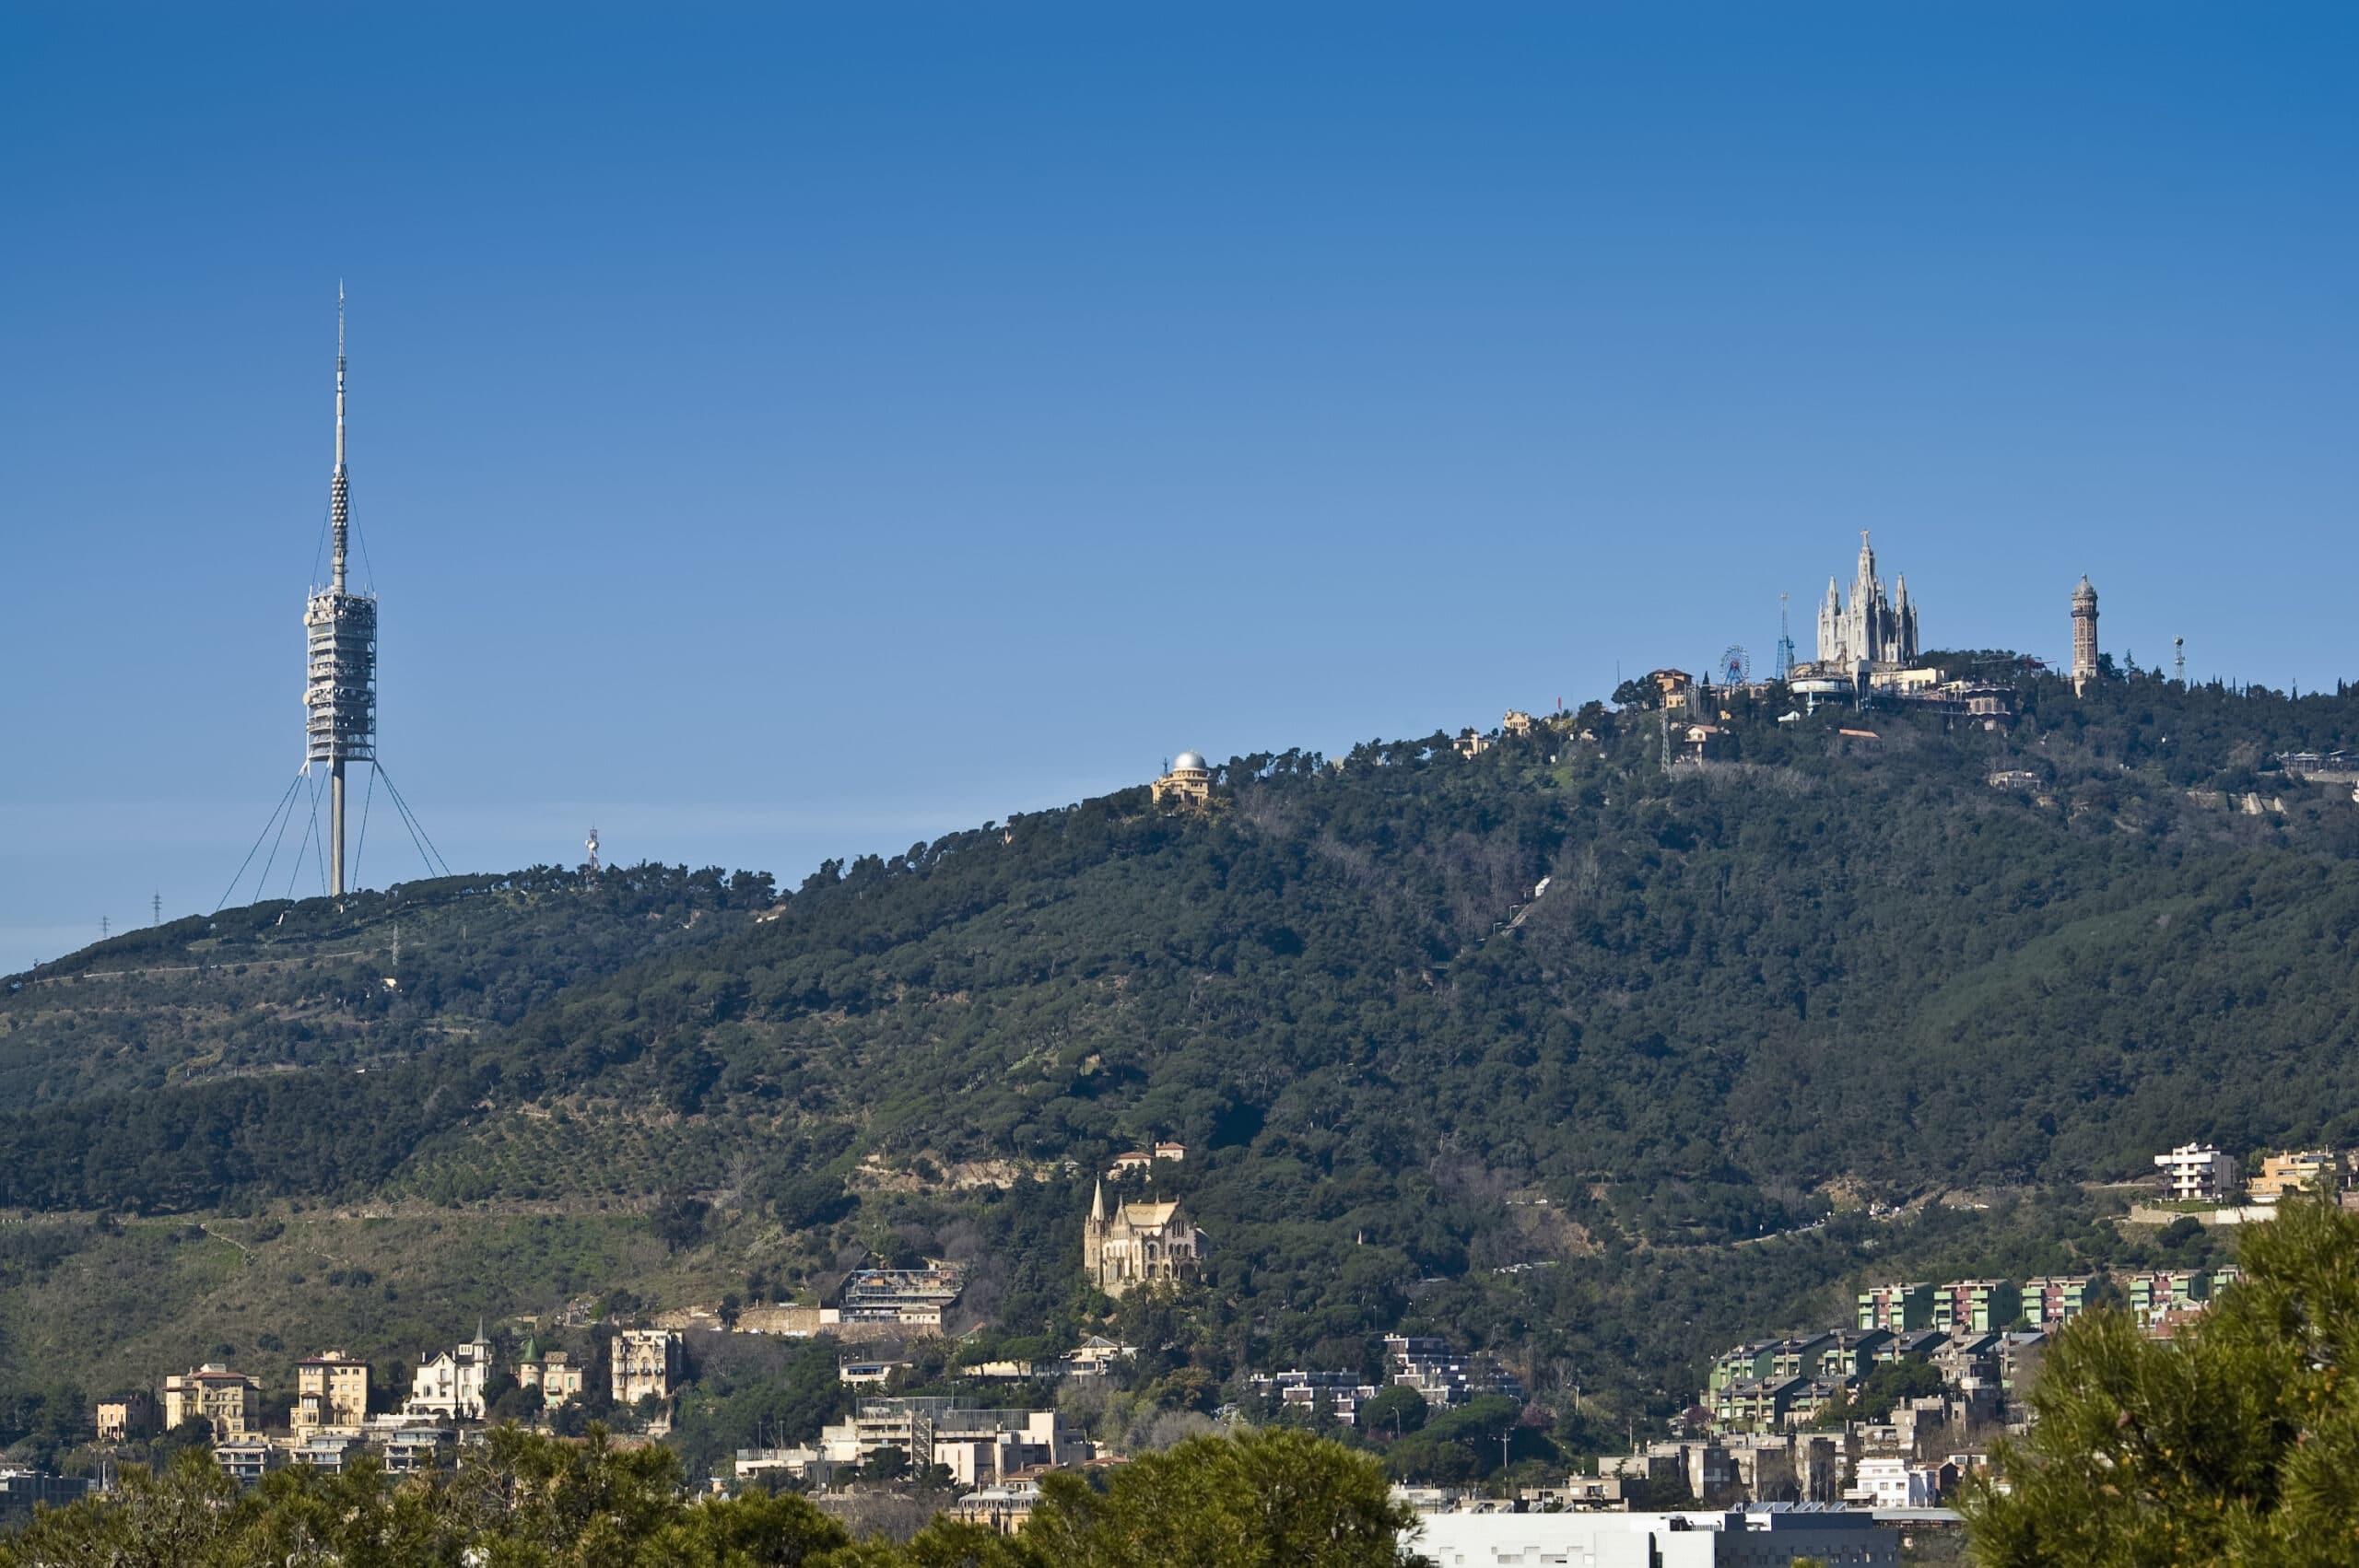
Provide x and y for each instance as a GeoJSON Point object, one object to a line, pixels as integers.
{"type": "Point", "coordinates": [414, 1450]}
{"type": "Point", "coordinates": [1095, 1356]}
{"type": "Point", "coordinates": [1798, 1355]}
{"type": "Point", "coordinates": [1967, 1355]}
{"type": "Point", "coordinates": [1656, 1475]}
{"type": "Point", "coordinates": [331, 1394]}
{"type": "Point", "coordinates": [327, 1452]}
{"type": "Point", "coordinates": [977, 1446]}
{"type": "Point", "coordinates": [799, 1464]}
{"type": "Point", "coordinates": [1979, 1305]}
{"type": "Point", "coordinates": [2317, 1170]}
{"type": "Point", "coordinates": [1444, 1376]}
{"type": "Point", "coordinates": [1813, 1397]}
{"type": "Point", "coordinates": [2019, 1357]}
{"type": "Point", "coordinates": [863, 1372]}
{"type": "Point", "coordinates": [916, 1298]}
{"type": "Point", "coordinates": [1897, 1308]}
{"type": "Point", "coordinates": [450, 1382]}
{"type": "Point", "coordinates": [980, 1447]}
{"type": "Point", "coordinates": [2198, 1173]}
{"type": "Point", "coordinates": [1759, 1538]}
{"type": "Point", "coordinates": [125, 1417]}
{"type": "Point", "coordinates": [2159, 1292]}
{"type": "Point", "coordinates": [1887, 1481]}
{"type": "Point", "coordinates": [1517, 723]}
{"type": "Point", "coordinates": [229, 1402]}
{"type": "Point", "coordinates": [556, 1374]}
{"type": "Point", "coordinates": [1699, 743]}
{"type": "Point", "coordinates": [2053, 1300]}
{"type": "Point", "coordinates": [1752, 1359]}
{"type": "Point", "coordinates": [1306, 1392]}
{"type": "Point", "coordinates": [1132, 1161]}
{"type": "Point", "coordinates": [1849, 1354]}
{"type": "Point", "coordinates": [1190, 782]}
{"type": "Point", "coordinates": [1754, 1404]}
{"type": "Point", "coordinates": [1138, 1243]}
{"type": "Point", "coordinates": [247, 1459]}
{"type": "Point", "coordinates": [1589, 1491]}
{"type": "Point", "coordinates": [1786, 1467]}
{"type": "Point", "coordinates": [645, 1362]}
{"type": "Point", "coordinates": [1470, 743]}
{"type": "Point", "coordinates": [22, 1490]}
{"type": "Point", "coordinates": [1749, 1358]}
{"type": "Point", "coordinates": [1003, 1507]}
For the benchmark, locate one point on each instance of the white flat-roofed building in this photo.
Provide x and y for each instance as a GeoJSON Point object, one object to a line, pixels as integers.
{"type": "Point", "coordinates": [1767, 1536]}
{"type": "Point", "coordinates": [2199, 1173]}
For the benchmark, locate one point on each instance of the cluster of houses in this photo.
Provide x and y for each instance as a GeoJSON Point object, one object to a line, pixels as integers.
{"type": "Point", "coordinates": [1977, 1333]}
{"type": "Point", "coordinates": [1444, 1376]}
{"type": "Point", "coordinates": [976, 1446]}
{"type": "Point", "coordinates": [2200, 1173]}
{"type": "Point", "coordinates": [330, 1419]}
{"type": "Point", "coordinates": [998, 1455]}
{"type": "Point", "coordinates": [1775, 1423]}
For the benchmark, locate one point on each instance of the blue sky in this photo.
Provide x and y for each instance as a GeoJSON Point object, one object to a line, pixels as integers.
{"type": "Point", "coordinates": [787, 431]}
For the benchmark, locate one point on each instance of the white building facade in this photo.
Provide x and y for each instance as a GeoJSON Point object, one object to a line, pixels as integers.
{"type": "Point", "coordinates": [2200, 1173]}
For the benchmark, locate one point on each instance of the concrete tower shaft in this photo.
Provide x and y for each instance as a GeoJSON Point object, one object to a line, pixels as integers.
{"type": "Point", "coordinates": [340, 640]}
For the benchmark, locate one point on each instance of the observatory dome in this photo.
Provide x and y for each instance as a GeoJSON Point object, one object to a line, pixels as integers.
{"type": "Point", "coordinates": [1186, 761]}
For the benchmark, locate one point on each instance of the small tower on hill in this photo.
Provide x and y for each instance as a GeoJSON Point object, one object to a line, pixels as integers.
{"type": "Point", "coordinates": [2084, 634]}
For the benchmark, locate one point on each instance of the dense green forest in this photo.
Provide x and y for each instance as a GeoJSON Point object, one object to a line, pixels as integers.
{"type": "Point", "coordinates": [1601, 1128]}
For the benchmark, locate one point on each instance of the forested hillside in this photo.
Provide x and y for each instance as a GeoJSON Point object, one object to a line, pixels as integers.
{"type": "Point", "coordinates": [1825, 969]}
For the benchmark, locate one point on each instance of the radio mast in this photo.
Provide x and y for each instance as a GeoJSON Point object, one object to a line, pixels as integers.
{"type": "Point", "coordinates": [340, 638]}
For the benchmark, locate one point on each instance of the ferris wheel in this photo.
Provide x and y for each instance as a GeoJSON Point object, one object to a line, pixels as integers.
{"type": "Point", "coordinates": [1736, 666]}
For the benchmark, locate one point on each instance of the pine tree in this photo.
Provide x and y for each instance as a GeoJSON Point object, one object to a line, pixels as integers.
{"type": "Point", "coordinates": [2235, 1442]}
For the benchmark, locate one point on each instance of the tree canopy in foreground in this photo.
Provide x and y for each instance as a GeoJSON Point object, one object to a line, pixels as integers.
{"type": "Point", "coordinates": [1273, 1499]}
{"type": "Point", "coordinates": [2235, 1442]}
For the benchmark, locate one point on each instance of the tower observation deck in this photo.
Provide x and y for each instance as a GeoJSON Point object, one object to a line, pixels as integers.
{"type": "Point", "coordinates": [340, 641]}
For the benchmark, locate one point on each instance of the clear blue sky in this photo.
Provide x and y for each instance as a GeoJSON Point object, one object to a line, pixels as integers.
{"type": "Point", "coordinates": [790, 432]}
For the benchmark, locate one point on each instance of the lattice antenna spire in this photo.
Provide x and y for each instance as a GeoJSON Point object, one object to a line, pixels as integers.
{"type": "Point", "coordinates": [339, 488]}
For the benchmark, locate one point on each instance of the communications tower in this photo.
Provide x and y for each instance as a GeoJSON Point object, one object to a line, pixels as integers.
{"type": "Point", "coordinates": [340, 640]}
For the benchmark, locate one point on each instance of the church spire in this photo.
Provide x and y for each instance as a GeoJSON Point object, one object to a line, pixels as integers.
{"type": "Point", "coordinates": [1097, 1203]}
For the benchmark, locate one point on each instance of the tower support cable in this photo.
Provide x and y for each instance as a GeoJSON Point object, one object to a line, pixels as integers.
{"type": "Point", "coordinates": [232, 891]}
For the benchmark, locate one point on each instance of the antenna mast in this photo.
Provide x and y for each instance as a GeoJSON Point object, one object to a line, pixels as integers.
{"type": "Point", "coordinates": [2179, 659]}
{"type": "Point", "coordinates": [339, 486]}
{"type": "Point", "coordinates": [1784, 642]}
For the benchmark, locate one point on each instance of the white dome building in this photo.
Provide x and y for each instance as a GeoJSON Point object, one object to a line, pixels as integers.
{"type": "Point", "coordinates": [1190, 782]}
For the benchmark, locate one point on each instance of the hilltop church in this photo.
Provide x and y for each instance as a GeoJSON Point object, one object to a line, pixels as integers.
{"type": "Point", "coordinates": [1871, 630]}
{"type": "Point", "coordinates": [1139, 1243]}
